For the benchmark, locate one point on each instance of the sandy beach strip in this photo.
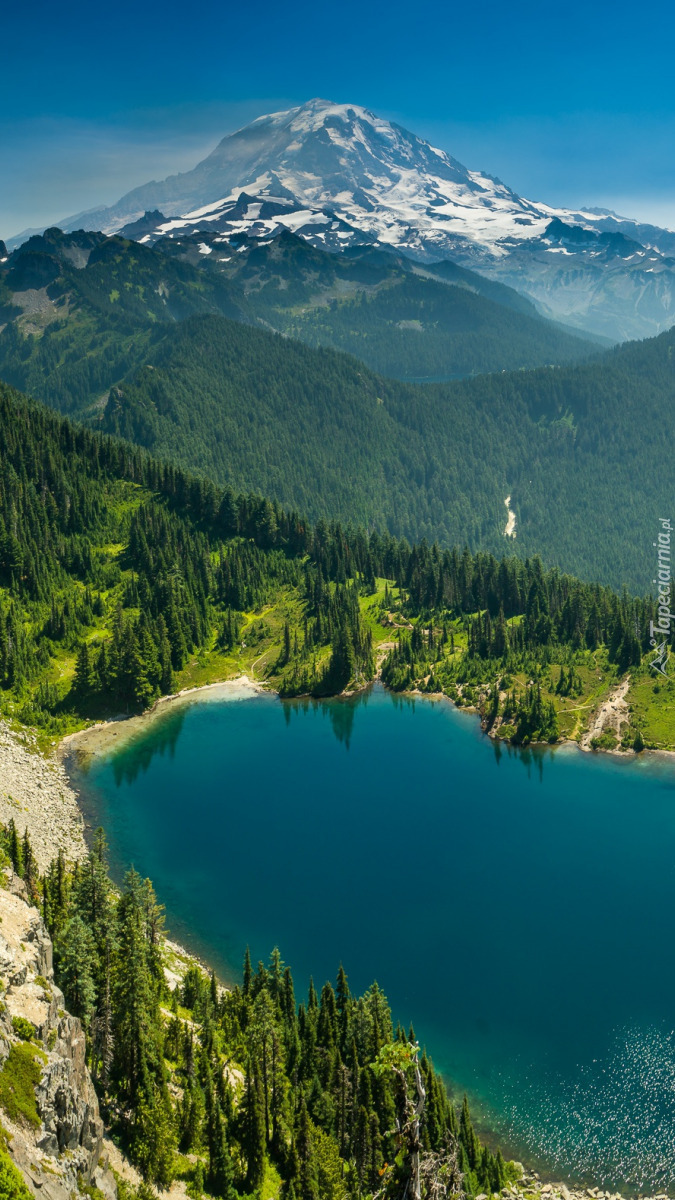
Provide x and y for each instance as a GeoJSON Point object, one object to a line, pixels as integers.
{"type": "Point", "coordinates": [99, 739]}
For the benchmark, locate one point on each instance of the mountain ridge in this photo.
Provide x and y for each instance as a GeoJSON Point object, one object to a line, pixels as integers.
{"type": "Point", "coordinates": [79, 310]}
{"type": "Point", "coordinates": [340, 176]}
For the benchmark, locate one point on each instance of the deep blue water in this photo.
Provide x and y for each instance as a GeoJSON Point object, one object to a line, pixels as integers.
{"type": "Point", "coordinates": [517, 907]}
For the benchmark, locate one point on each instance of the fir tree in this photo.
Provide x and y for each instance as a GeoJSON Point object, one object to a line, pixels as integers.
{"type": "Point", "coordinates": [75, 950]}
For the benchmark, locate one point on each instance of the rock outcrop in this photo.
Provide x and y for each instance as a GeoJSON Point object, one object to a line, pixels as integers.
{"type": "Point", "coordinates": [36, 794]}
{"type": "Point", "coordinates": [58, 1146]}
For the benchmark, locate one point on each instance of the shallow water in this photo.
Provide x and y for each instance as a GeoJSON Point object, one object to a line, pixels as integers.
{"type": "Point", "coordinates": [516, 906]}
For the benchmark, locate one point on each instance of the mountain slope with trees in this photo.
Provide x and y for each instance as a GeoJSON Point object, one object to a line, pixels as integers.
{"type": "Point", "coordinates": [81, 310]}
{"type": "Point", "coordinates": [153, 357]}
{"type": "Point", "coordinates": [401, 319]}
{"type": "Point", "coordinates": [122, 577]}
{"type": "Point", "coordinates": [580, 450]}
{"type": "Point", "coordinates": [118, 573]}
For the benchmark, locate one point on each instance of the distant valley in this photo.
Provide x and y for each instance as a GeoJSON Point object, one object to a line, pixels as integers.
{"type": "Point", "coordinates": [183, 359]}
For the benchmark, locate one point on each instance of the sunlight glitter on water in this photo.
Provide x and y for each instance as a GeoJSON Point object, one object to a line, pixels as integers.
{"type": "Point", "coordinates": [613, 1123]}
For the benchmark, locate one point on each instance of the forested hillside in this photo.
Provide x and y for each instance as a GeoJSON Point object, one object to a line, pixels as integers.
{"type": "Point", "coordinates": [536, 652]}
{"type": "Point", "coordinates": [579, 450]}
{"type": "Point", "coordinates": [118, 573]}
{"type": "Point", "coordinates": [316, 430]}
{"type": "Point", "coordinates": [81, 309]}
{"type": "Point", "coordinates": [152, 357]}
{"type": "Point", "coordinates": [401, 319]}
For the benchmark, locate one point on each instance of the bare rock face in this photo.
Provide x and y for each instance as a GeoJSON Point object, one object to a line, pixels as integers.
{"type": "Point", "coordinates": [65, 1151]}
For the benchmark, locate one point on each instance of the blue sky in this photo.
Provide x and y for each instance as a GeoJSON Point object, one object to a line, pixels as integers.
{"type": "Point", "coordinates": [571, 105]}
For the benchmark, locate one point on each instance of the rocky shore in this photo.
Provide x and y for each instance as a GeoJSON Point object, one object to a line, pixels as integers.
{"type": "Point", "coordinates": [530, 1187]}
{"type": "Point", "coordinates": [35, 792]}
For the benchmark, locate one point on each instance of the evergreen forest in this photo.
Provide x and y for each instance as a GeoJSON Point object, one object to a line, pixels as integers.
{"type": "Point", "coordinates": [399, 318]}
{"type": "Point", "coordinates": [142, 343]}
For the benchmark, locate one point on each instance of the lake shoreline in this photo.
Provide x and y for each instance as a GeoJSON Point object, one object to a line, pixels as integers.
{"type": "Point", "coordinates": [95, 739]}
{"type": "Point", "coordinates": [584, 747]}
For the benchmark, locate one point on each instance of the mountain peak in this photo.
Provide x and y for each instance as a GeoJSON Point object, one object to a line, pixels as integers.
{"type": "Point", "coordinates": [314, 113]}
{"type": "Point", "coordinates": [341, 176]}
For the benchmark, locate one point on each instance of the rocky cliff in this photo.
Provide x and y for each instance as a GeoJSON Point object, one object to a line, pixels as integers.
{"type": "Point", "coordinates": [48, 1106]}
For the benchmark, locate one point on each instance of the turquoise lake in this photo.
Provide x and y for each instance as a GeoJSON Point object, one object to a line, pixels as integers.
{"type": "Point", "coordinates": [517, 907]}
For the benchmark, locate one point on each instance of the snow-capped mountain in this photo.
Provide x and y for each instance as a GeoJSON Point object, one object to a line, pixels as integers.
{"type": "Point", "coordinates": [338, 175]}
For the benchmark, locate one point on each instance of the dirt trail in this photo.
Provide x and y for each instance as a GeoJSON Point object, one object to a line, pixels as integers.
{"type": "Point", "coordinates": [381, 653]}
{"type": "Point", "coordinates": [609, 717]}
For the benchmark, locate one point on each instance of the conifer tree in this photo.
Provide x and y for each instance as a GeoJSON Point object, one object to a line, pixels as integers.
{"type": "Point", "coordinates": [83, 670]}
{"type": "Point", "coordinates": [75, 949]}
{"type": "Point", "coordinates": [137, 1059]}
{"type": "Point", "coordinates": [14, 847]}
{"type": "Point", "coordinates": [253, 1131]}
{"type": "Point", "coordinates": [221, 1169]}
{"type": "Point", "coordinates": [248, 973]}
{"type": "Point", "coordinates": [29, 869]}
{"type": "Point", "coordinates": [308, 1184]}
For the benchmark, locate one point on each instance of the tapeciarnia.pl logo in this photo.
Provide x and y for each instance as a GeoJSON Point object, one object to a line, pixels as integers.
{"type": "Point", "coordinates": [661, 628]}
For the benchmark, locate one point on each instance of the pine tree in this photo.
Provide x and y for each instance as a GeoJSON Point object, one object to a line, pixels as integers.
{"type": "Point", "coordinates": [468, 1137]}
{"type": "Point", "coordinates": [248, 974]}
{"type": "Point", "coordinates": [253, 1132]}
{"type": "Point", "coordinates": [102, 1027]}
{"type": "Point", "coordinates": [308, 1186]}
{"type": "Point", "coordinates": [190, 1116]}
{"type": "Point", "coordinates": [93, 897]}
{"type": "Point", "coordinates": [75, 950]}
{"type": "Point", "coordinates": [152, 1136]}
{"type": "Point", "coordinates": [138, 1057]}
{"type": "Point", "coordinates": [14, 847]}
{"type": "Point", "coordinates": [327, 1024]}
{"type": "Point", "coordinates": [264, 1043]}
{"type": "Point", "coordinates": [221, 1169]}
{"type": "Point", "coordinates": [343, 1003]}
{"type": "Point", "coordinates": [83, 679]}
{"type": "Point", "coordinates": [29, 869]}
